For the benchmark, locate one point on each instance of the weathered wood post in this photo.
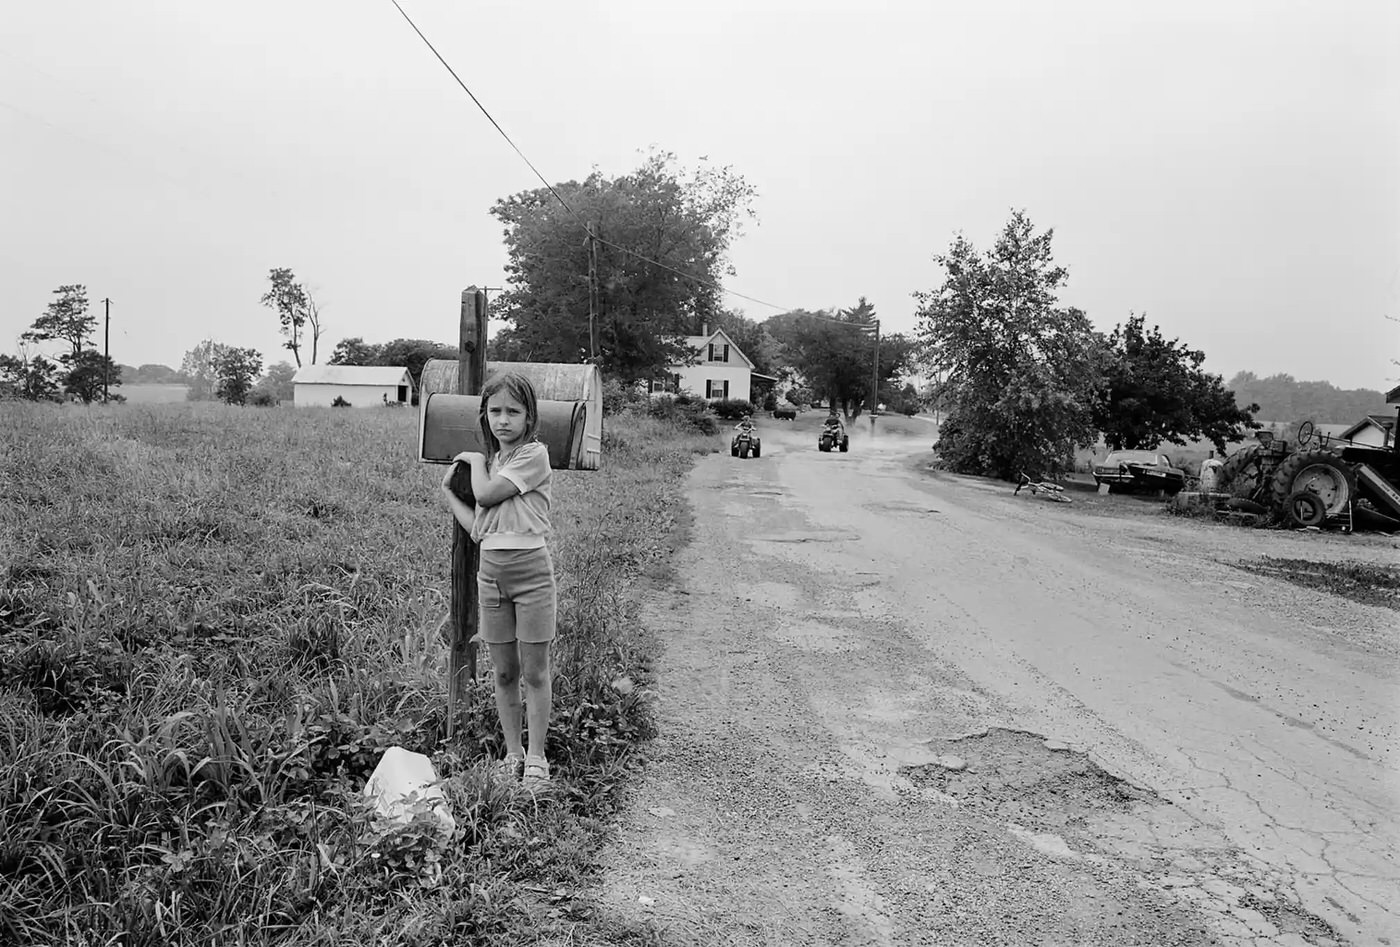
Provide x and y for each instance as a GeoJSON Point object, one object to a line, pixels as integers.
{"type": "Point", "coordinates": [466, 557]}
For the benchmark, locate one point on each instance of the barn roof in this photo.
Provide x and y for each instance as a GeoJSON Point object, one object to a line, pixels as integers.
{"type": "Point", "coordinates": [375, 375]}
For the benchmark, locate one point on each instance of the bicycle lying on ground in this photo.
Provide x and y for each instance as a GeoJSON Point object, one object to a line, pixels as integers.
{"type": "Point", "coordinates": [1052, 491]}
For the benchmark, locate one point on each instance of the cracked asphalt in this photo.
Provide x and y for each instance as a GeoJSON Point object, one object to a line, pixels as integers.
{"type": "Point", "coordinates": [901, 707]}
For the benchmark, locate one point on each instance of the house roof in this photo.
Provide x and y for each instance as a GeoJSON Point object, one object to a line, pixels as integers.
{"type": "Point", "coordinates": [1376, 420]}
{"type": "Point", "coordinates": [1393, 395]}
{"type": "Point", "coordinates": [698, 343]}
{"type": "Point", "coordinates": [374, 375]}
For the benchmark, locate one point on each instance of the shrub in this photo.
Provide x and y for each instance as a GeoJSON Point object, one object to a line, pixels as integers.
{"type": "Point", "coordinates": [799, 396]}
{"type": "Point", "coordinates": [618, 397]}
{"type": "Point", "coordinates": [731, 409]}
{"type": "Point", "coordinates": [340, 402]}
{"type": "Point", "coordinates": [769, 401]}
{"type": "Point", "coordinates": [262, 398]}
{"type": "Point", "coordinates": [685, 411]}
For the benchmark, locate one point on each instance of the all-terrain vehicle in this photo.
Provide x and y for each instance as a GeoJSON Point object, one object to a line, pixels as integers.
{"type": "Point", "coordinates": [746, 441]}
{"type": "Point", "coordinates": [833, 436]}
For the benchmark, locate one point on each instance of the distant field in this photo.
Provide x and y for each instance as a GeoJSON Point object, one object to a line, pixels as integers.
{"type": "Point", "coordinates": [152, 394]}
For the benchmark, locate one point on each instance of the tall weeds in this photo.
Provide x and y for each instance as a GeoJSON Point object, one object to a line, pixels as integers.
{"type": "Point", "coordinates": [212, 623]}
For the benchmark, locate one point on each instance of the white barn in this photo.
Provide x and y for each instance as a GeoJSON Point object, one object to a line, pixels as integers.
{"type": "Point", "coordinates": [364, 386]}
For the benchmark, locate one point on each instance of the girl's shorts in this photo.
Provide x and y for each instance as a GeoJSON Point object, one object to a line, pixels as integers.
{"type": "Point", "coordinates": [517, 594]}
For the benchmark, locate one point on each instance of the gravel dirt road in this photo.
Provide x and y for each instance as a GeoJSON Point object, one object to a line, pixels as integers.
{"type": "Point", "coordinates": [899, 707]}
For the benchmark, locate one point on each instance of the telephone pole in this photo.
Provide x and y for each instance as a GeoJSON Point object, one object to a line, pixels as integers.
{"type": "Point", "coordinates": [106, 337]}
{"type": "Point", "coordinates": [592, 295]}
{"type": "Point", "coordinates": [875, 377]}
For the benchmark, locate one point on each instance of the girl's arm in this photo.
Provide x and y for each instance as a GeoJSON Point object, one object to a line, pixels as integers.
{"type": "Point", "coordinates": [489, 490]}
{"type": "Point", "coordinates": [464, 514]}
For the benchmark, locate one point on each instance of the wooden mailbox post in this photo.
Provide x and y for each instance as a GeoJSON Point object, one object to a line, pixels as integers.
{"type": "Point", "coordinates": [466, 557]}
{"type": "Point", "coordinates": [571, 417]}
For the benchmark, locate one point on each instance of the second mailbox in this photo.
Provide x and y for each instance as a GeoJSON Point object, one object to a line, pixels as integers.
{"type": "Point", "coordinates": [449, 424]}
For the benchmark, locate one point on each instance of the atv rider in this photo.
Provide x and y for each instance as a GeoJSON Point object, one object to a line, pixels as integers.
{"type": "Point", "coordinates": [745, 425]}
{"type": "Point", "coordinates": [833, 426]}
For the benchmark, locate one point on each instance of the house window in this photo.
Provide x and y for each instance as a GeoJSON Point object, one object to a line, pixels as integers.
{"type": "Point", "coordinates": [719, 353]}
{"type": "Point", "coordinates": [663, 385]}
{"type": "Point", "coordinates": [716, 389]}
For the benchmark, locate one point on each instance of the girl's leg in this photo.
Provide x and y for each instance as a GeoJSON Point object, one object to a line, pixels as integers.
{"type": "Point", "coordinates": [505, 660]}
{"type": "Point", "coordinates": [539, 693]}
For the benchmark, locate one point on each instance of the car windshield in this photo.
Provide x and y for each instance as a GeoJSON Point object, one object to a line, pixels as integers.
{"type": "Point", "coordinates": [1130, 457]}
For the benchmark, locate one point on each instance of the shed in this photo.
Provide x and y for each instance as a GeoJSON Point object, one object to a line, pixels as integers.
{"type": "Point", "coordinates": [553, 381]}
{"type": "Point", "coordinates": [363, 386]}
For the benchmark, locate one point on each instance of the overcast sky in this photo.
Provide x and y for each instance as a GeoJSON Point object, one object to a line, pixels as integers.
{"type": "Point", "coordinates": [1232, 169]}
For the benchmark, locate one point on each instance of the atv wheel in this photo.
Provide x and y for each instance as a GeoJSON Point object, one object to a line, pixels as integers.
{"type": "Point", "coordinates": [1316, 471]}
{"type": "Point", "coordinates": [744, 452]}
{"type": "Point", "coordinates": [734, 452]}
{"type": "Point", "coordinates": [757, 449]}
{"type": "Point", "coordinates": [1305, 508]}
{"type": "Point", "coordinates": [845, 444]}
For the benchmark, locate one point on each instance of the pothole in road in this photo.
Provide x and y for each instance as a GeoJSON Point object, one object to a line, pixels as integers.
{"type": "Point", "coordinates": [1068, 807]}
{"type": "Point", "coordinates": [1019, 777]}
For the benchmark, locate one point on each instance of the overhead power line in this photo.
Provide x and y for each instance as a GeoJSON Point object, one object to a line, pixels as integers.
{"type": "Point", "coordinates": [558, 196]}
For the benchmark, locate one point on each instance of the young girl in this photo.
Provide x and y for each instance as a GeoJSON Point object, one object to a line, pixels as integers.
{"type": "Point", "coordinates": [510, 523]}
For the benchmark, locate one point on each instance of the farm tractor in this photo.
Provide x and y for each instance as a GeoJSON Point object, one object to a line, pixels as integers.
{"type": "Point", "coordinates": [1317, 481]}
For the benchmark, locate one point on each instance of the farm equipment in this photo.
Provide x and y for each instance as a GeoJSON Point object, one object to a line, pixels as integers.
{"type": "Point", "coordinates": [1318, 481]}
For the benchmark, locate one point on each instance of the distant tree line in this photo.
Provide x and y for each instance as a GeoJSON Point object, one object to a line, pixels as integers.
{"type": "Point", "coordinates": [1284, 398]}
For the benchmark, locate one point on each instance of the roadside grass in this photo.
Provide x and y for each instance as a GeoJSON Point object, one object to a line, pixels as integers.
{"type": "Point", "coordinates": [212, 623]}
{"type": "Point", "coordinates": [1359, 581]}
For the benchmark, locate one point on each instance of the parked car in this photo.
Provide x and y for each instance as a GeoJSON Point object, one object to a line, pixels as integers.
{"type": "Point", "coordinates": [1125, 470]}
{"type": "Point", "coordinates": [785, 412]}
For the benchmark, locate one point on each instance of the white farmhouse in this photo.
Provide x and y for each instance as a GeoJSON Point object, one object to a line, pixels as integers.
{"type": "Point", "coordinates": [363, 386]}
{"type": "Point", "coordinates": [1374, 430]}
{"type": "Point", "coordinates": [721, 370]}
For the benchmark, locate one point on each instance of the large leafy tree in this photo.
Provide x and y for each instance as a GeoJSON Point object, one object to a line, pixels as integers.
{"type": "Point", "coordinates": [235, 370]}
{"type": "Point", "coordinates": [1155, 390]}
{"type": "Point", "coordinates": [33, 378]}
{"type": "Point", "coordinates": [66, 319]}
{"type": "Point", "coordinates": [834, 351]}
{"type": "Point", "coordinates": [277, 383]}
{"type": "Point", "coordinates": [354, 351]}
{"type": "Point", "coordinates": [662, 237]}
{"type": "Point", "coordinates": [197, 367]}
{"type": "Point", "coordinates": [1023, 374]}
{"type": "Point", "coordinates": [89, 371]}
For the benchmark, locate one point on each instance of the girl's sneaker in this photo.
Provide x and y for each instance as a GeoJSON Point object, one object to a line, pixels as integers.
{"type": "Point", "coordinates": [536, 774]}
{"type": "Point", "coordinates": [511, 767]}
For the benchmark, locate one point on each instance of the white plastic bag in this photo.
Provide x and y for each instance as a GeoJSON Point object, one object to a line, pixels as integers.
{"type": "Point", "coordinates": [403, 778]}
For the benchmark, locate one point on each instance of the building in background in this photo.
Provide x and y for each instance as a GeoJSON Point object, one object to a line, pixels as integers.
{"type": "Point", "coordinates": [360, 386]}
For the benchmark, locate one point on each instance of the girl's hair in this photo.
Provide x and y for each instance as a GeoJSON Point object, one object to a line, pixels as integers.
{"type": "Point", "coordinates": [519, 388]}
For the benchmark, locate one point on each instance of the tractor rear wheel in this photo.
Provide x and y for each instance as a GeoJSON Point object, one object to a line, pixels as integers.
{"type": "Point", "coordinates": [1316, 471]}
{"type": "Point", "coordinates": [1235, 474]}
{"type": "Point", "coordinates": [1305, 508]}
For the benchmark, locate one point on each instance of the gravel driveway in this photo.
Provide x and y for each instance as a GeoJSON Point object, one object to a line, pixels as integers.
{"type": "Point", "coordinates": [906, 708]}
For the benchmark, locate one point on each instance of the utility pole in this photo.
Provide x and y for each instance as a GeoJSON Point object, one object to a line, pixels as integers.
{"type": "Point", "coordinates": [106, 337]}
{"type": "Point", "coordinates": [875, 378]}
{"type": "Point", "coordinates": [592, 295]}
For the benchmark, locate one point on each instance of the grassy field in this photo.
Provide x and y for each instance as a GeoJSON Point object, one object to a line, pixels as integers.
{"type": "Point", "coordinates": [152, 394]}
{"type": "Point", "coordinates": [212, 622]}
